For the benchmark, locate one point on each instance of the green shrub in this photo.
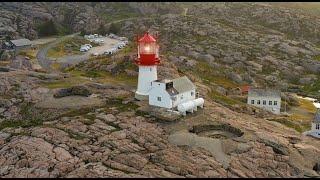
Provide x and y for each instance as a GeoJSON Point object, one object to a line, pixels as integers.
{"type": "Point", "coordinates": [47, 28]}
{"type": "Point", "coordinates": [114, 28]}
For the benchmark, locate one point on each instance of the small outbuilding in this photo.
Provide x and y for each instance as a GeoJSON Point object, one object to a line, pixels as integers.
{"type": "Point", "coordinates": [315, 126]}
{"type": "Point", "coordinates": [19, 44]}
{"type": "Point", "coordinates": [267, 99]}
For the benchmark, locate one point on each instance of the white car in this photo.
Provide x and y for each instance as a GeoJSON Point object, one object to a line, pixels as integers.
{"type": "Point", "coordinates": [96, 54]}
{"type": "Point", "coordinates": [112, 35]}
{"type": "Point", "coordinates": [91, 36]}
{"type": "Point", "coordinates": [84, 48]}
{"type": "Point", "coordinates": [89, 45]}
{"type": "Point", "coordinates": [108, 52]}
{"type": "Point", "coordinates": [99, 41]}
{"type": "Point", "coordinates": [114, 50]}
{"type": "Point", "coordinates": [120, 46]}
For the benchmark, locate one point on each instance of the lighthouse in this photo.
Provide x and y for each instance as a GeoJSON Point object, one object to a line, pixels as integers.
{"type": "Point", "coordinates": [147, 60]}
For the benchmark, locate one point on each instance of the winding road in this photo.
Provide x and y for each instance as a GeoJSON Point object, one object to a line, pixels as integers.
{"type": "Point", "coordinates": [44, 61]}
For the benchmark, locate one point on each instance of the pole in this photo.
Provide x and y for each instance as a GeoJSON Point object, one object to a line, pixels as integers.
{"type": "Point", "coordinates": [286, 100]}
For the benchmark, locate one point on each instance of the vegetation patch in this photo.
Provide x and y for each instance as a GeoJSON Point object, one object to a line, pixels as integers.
{"type": "Point", "coordinates": [222, 99]}
{"type": "Point", "coordinates": [30, 118]}
{"type": "Point", "coordinates": [313, 88]}
{"type": "Point", "coordinates": [120, 105]}
{"type": "Point", "coordinates": [69, 46]}
{"type": "Point", "coordinates": [300, 127]}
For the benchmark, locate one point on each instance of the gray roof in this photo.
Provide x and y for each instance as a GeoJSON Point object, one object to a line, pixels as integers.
{"type": "Point", "coordinates": [317, 117]}
{"type": "Point", "coordinates": [264, 93]}
{"type": "Point", "coordinates": [183, 84]}
{"type": "Point", "coordinates": [21, 42]}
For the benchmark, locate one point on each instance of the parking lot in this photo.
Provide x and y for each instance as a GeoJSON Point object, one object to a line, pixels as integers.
{"type": "Point", "coordinates": [108, 44]}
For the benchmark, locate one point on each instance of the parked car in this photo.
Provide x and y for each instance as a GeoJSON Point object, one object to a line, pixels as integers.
{"type": "Point", "coordinates": [114, 49]}
{"type": "Point", "coordinates": [108, 52]}
{"type": "Point", "coordinates": [91, 36]}
{"type": "Point", "coordinates": [111, 35]}
{"type": "Point", "coordinates": [89, 45]}
{"type": "Point", "coordinates": [96, 54]}
{"type": "Point", "coordinates": [84, 48]}
{"type": "Point", "coordinates": [123, 38]}
{"type": "Point", "coordinates": [120, 46]}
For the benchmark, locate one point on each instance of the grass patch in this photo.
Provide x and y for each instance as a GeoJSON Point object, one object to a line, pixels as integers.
{"type": "Point", "coordinates": [288, 123]}
{"type": "Point", "coordinates": [225, 100]}
{"type": "Point", "coordinates": [307, 105]}
{"type": "Point", "coordinates": [4, 63]}
{"type": "Point", "coordinates": [317, 58]}
{"type": "Point", "coordinates": [20, 123]}
{"type": "Point", "coordinates": [117, 102]}
{"type": "Point", "coordinates": [69, 46]}
{"type": "Point", "coordinates": [312, 88]}
{"type": "Point", "coordinates": [78, 112]}
{"type": "Point", "coordinates": [30, 53]}
{"type": "Point", "coordinates": [57, 84]}
{"type": "Point", "coordinates": [106, 77]}
{"type": "Point", "coordinates": [29, 118]}
{"type": "Point", "coordinates": [209, 74]}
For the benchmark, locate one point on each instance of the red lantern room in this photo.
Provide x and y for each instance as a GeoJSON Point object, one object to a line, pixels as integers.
{"type": "Point", "coordinates": [148, 51]}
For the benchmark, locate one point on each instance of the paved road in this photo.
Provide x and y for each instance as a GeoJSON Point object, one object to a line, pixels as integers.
{"type": "Point", "coordinates": [45, 62]}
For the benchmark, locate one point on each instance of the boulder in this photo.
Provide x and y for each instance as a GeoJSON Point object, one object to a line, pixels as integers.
{"type": "Point", "coordinates": [73, 91]}
{"type": "Point", "coordinates": [235, 77]}
{"type": "Point", "coordinates": [4, 69]}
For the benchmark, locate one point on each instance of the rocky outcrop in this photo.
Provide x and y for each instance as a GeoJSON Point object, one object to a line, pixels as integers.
{"type": "Point", "coordinates": [73, 91]}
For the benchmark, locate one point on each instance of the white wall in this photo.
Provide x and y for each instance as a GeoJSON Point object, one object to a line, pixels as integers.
{"type": "Point", "coordinates": [147, 74]}
{"type": "Point", "coordinates": [313, 128]}
{"type": "Point", "coordinates": [158, 90]}
{"type": "Point", "coordinates": [272, 108]}
{"type": "Point", "coordinates": [186, 96]}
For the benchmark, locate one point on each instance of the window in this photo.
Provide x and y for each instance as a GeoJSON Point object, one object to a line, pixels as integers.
{"type": "Point", "coordinates": [264, 102]}
{"type": "Point", "coordinates": [258, 102]}
{"type": "Point", "coordinates": [317, 126]}
{"type": "Point", "coordinates": [192, 93]}
{"type": "Point", "coordinates": [275, 103]}
{"type": "Point", "coordinates": [270, 103]}
{"type": "Point", "coordinates": [252, 101]}
{"type": "Point", "coordinates": [159, 98]}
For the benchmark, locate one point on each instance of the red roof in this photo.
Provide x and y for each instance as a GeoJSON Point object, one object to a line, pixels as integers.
{"type": "Point", "coordinates": [147, 38]}
{"type": "Point", "coordinates": [245, 88]}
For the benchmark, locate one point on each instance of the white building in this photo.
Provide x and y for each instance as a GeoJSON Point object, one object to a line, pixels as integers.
{"type": "Point", "coordinates": [315, 126]}
{"type": "Point", "coordinates": [269, 100]}
{"type": "Point", "coordinates": [179, 92]}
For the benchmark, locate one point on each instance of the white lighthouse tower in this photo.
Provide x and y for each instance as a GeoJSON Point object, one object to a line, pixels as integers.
{"type": "Point", "coordinates": [148, 59]}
